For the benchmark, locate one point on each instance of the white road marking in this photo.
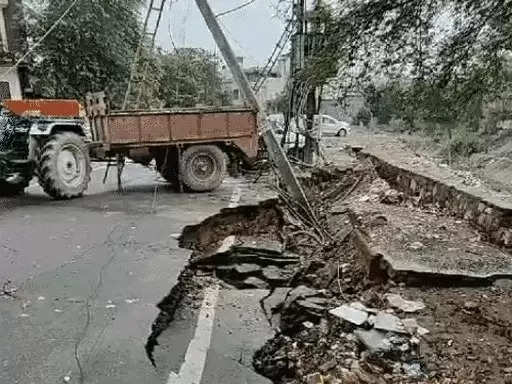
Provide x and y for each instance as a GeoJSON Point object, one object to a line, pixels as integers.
{"type": "Point", "coordinates": [191, 371]}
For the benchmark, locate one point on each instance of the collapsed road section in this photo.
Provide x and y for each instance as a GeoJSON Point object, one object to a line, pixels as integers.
{"type": "Point", "coordinates": [380, 287]}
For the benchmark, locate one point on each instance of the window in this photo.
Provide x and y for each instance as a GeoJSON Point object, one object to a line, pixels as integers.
{"type": "Point", "coordinates": [236, 94]}
{"type": "Point", "coordinates": [5, 90]}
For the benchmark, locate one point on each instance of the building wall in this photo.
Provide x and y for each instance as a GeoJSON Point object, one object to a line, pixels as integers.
{"type": "Point", "coordinates": [13, 44]}
{"type": "Point", "coordinates": [274, 86]}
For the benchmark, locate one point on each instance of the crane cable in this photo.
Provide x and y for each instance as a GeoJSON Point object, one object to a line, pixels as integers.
{"type": "Point", "coordinates": [40, 41]}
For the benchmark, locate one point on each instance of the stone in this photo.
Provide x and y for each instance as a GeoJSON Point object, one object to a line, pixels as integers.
{"type": "Point", "coordinates": [373, 340]}
{"type": "Point", "coordinates": [362, 307]}
{"type": "Point", "coordinates": [246, 269]}
{"type": "Point", "coordinates": [387, 322]}
{"type": "Point", "coordinates": [254, 282]}
{"type": "Point", "coordinates": [328, 366]}
{"type": "Point", "coordinates": [352, 315]}
{"type": "Point", "coordinates": [301, 292]}
{"type": "Point", "coordinates": [276, 274]}
{"type": "Point", "coordinates": [308, 324]}
{"type": "Point", "coordinates": [416, 246]}
{"type": "Point", "coordinates": [470, 305]}
{"type": "Point", "coordinates": [505, 284]}
{"type": "Point", "coordinates": [412, 370]}
{"type": "Point", "coordinates": [315, 378]}
{"type": "Point", "coordinates": [410, 325]}
{"type": "Point", "coordinates": [275, 300]}
{"type": "Point", "coordinates": [396, 301]}
{"type": "Point", "coordinates": [314, 304]}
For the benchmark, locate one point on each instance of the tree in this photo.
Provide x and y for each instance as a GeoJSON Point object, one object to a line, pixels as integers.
{"type": "Point", "coordinates": [457, 47]}
{"type": "Point", "coordinates": [190, 76]}
{"type": "Point", "coordinates": [90, 50]}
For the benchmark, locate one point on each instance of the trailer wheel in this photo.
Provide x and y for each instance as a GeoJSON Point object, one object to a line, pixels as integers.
{"type": "Point", "coordinates": [64, 166]}
{"type": "Point", "coordinates": [203, 168]}
{"type": "Point", "coordinates": [7, 189]}
{"type": "Point", "coordinates": [167, 165]}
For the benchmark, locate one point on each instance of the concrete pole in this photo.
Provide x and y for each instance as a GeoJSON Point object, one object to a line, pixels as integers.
{"type": "Point", "coordinates": [275, 151]}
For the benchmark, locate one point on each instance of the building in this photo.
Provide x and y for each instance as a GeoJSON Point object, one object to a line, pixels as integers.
{"type": "Point", "coordinates": [273, 87]}
{"type": "Point", "coordinates": [14, 82]}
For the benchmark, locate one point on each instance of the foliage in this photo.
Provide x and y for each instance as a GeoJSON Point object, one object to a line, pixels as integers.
{"type": "Point", "coordinates": [449, 56]}
{"type": "Point", "coordinates": [90, 50]}
{"type": "Point", "coordinates": [464, 143]}
{"type": "Point", "coordinates": [189, 77]}
{"type": "Point", "coordinates": [363, 116]}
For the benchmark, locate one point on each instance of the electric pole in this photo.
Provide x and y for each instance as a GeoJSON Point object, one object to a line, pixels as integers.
{"type": "Point", "coordinates": [275, 151]}
{"type": "Point", "coordinates": [302, 50]}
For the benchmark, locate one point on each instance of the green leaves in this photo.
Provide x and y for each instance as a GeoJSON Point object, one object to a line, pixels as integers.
{"type": "Point", "coordinates": [189, 77]}
{"type": "Point", "coordinates": [90, 50]}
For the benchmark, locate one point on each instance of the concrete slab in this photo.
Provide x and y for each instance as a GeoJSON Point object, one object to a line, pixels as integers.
{"type": "Point", "coordinates": [417, 242]}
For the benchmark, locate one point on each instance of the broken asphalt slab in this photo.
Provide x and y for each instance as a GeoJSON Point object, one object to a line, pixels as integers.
{"type": "Point", "coordinates": [239, 329]}
{"type": "Point", "coordinates": [89, 280]}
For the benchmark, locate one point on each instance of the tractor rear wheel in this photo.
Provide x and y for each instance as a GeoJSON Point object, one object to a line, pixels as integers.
{"type": "Point", "coordinates": [7, 189]}
{"type": "Point", "coordinates": [64, 166]}
{"type": "Point", "coordinates": [203, 168]}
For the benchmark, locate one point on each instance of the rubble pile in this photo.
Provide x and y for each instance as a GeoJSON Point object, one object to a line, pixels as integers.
{"type": "Point", "coordinates": [344, 319]}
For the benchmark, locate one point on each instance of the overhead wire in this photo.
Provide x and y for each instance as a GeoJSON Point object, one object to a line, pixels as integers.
{"type": "Point", "coordinates": [40, 41]}
{"type": "Point", "coordinates": [235, 9]}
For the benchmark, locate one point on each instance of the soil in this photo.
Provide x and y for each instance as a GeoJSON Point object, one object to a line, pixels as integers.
{"type": "Point", "coordinates": [469, 339]}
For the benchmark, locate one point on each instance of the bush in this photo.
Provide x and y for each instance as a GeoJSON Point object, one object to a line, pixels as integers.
{"type": "Point", "coordinates": [464, 143]}
{"type": "Point", "coordinates": [363, 116]}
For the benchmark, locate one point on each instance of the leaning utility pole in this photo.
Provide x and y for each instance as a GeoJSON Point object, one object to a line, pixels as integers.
{"type": "Point", "coordinates": [275, 151]}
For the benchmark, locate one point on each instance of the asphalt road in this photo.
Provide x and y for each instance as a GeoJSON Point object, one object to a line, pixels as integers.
{"type": "Point", "coordinates": [88, 274]}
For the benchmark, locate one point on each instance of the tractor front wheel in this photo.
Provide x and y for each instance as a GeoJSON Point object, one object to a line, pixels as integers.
{"type": "Point", "coordinates": [64, 166]}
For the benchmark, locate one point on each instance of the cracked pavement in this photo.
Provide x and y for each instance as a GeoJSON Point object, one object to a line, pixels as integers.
{"type": "Point", "coordinates": [88, 275]}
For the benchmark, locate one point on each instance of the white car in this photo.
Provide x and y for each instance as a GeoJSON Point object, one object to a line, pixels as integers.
{"type": "Point", "coordinates": [329, 126]}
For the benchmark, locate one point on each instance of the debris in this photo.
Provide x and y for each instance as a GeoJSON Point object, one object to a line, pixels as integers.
{"type": "Point", "coordinates": [410, 325]}
{"type": "Point", "coordinates": [254, 282]}
{"type": "Point", "coordinates": [313, 303]}
{"type": "Point", "coordinates": [505, 284]}
{"type": "Point", "coordinates": [391, 197]}
{"type": "Point", "coordinates": [245, 269]}
{"type": "Point", "coordinates": [350, 314]}
{"type": "Point", "coordinates": [110, 306]}
{"type": "Point", "coordinates": [412, 370]}
{"type": "Point", "coordinates": [41, 298]}
{"type": "Point", "coordinates": [416, 246]}
{"type": "Point", "coordinates": [374, 341]}
{"type": "Point", "coordinates": [387, 322]}
{"type": "Point", "coordinates": [132, 301]}
{"type": "Point", "coordinates": [7, 290]}
{"type": "Point", "coordinates": [301, 292]}
{"type": "Point", "coordinates": [308, 324]}
{"type": "Point", "coordinates": [315, 378]}
{"type": "Point", "coordinates": [362, 307]}
{"type": "Point", "coordinates": [275, 300]}
{"type": "Point", "coordinates": [396, 301]}
{"type": "Point", "coordinates": [66, 378]}
{"type": "Point", "coordinates": [276, 275]}
{"type": "Point", "coordinates": [470, 305]}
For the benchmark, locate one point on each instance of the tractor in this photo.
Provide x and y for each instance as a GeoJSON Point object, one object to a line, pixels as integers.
{"type": "Point", "coordinates": [47, 139]}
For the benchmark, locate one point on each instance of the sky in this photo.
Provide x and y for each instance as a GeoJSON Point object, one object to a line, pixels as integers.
{"type": "Point", "coordinates": [252, 31]}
